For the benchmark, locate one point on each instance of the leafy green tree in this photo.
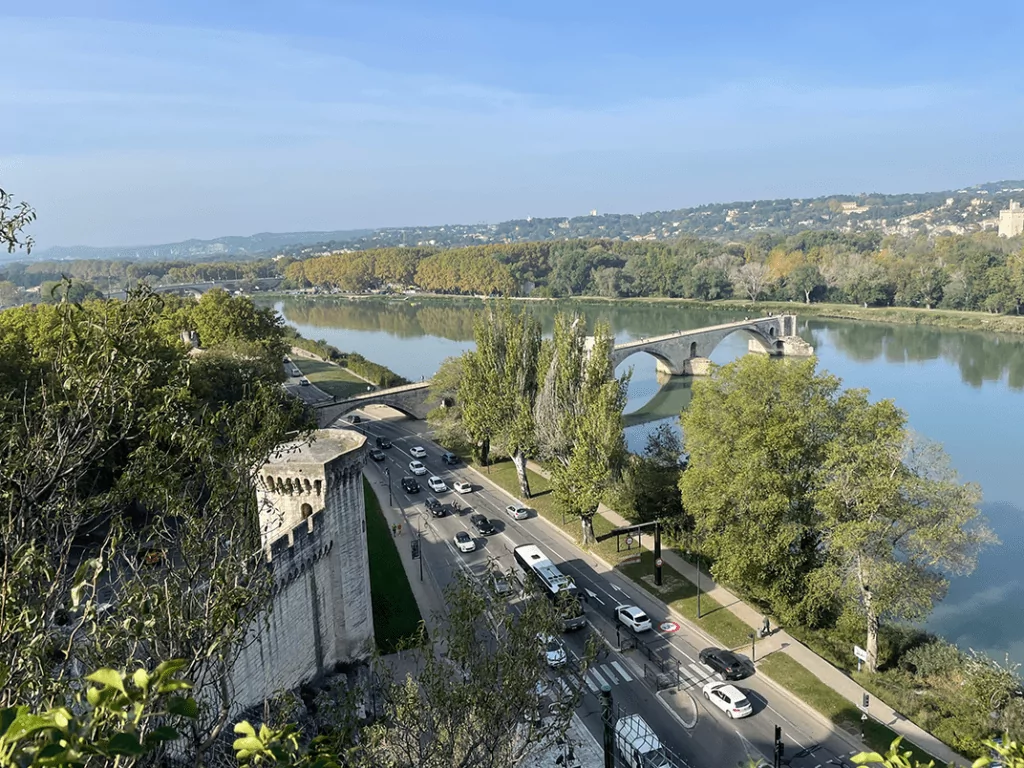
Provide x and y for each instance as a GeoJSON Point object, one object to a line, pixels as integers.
{"type": "Point", "coordinates": [894, 519]}
{"type": "Point", "coordinates": [804, 280]}
{"type": "Point", "coordinates": [579, 417]}
{"type": "Point", "coordinates": [14, 217]}
{"type": "Point", "coordinates": [500, 384]}
{"type": "Point", "coordinates": [650, 482]}
{"type": "Point", "coordinates": [751, 278]}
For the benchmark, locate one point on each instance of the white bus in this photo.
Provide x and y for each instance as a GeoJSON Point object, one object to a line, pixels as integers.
{"type": "Point", "coordinates": [560, 589]}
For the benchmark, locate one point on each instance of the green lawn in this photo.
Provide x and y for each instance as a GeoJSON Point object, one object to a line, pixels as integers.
{"type": "Point", "coordinates": [794, 677]}
{"type": "Point", "coordinates": [395, 613]}
{"type": "Point", "coordinates": [332, 379]}
{"type": "Point", "coordinates": [675, 590]}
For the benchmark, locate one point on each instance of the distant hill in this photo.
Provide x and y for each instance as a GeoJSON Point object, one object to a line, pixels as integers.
{"type": "Point", "coordinates": [958, 211]}
{"type": "Point", "coordinates": [194, 250]}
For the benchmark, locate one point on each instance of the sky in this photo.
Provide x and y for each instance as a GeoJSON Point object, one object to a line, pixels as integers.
{"type": "Point", "coordinates": [130, 122]}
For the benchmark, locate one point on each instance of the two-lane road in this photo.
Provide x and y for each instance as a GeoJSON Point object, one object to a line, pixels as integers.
{"type": "Point", "coordinates": [715, 740]}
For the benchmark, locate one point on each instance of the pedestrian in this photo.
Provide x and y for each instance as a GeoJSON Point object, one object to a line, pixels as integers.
{"type": "Point", "coordinates": [766, 627]}
{"type": "Point", "coordinates": [399, 529]}
{"type": "Point", "coordinates": [394, 529]}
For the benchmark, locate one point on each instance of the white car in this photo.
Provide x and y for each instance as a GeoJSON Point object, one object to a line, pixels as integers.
{"type": "Point", "coordinates": [462, 486]}
{"type": "Point", "coordinates": [418, 452]}
{"type": "Point", "coordinates": [465, 542]}
{"type": "Point", "coordinates": [417, 468]}
{"type": "Point", "coordinates": [728, 698]}
{"type": "Point", "coordinates": [516, 512]}
{"type": "Point", "coordinates": [554, 651]}
{"type": "Point", "coordinates": [437, 484]}
{"type": "Point", "coordinates": [633, 617]}
{"type": "Point", "coordinates": [303, 382]}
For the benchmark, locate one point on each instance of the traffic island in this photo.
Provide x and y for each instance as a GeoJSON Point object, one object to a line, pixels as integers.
{"type": "Point", "coordinates": [681, 704]}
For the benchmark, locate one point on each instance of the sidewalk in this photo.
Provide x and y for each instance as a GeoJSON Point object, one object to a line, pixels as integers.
{"type": "Point", "coordinates": [781, 641]}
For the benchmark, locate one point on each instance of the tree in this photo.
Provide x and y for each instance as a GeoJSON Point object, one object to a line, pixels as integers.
{"type": "Point", "coordinates": [499, 386]}
{"type": "Point", "coordinates": [13, 219]}
{"type": "Point", "coordinates": [756, 432]}
{"type": "Point", "coordinates": [1007, 753]}
{"type": "Point", "coordinates": [804, 280]}
{"type": "Point", "coordinates": [650, 482]}
{"type": "Point", "coordinates": [894, 519]}
{"type": "Point", "coordinates": [579, 417]}
{"type": "Point", "coordinates": [751, 278]}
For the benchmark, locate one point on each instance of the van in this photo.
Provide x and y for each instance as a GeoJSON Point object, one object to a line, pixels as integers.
{"type": "Point", "coordinates": [638, 745]}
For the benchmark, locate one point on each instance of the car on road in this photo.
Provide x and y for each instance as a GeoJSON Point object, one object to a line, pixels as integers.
{"type": "Point", "coordinates": [417, 468]}
{"type": "Point", "coordinates": [483, 525]}
{"type": "Point", "coordinates": [633, 617]}
{"type": "Point", "coordinates": [554, 651]}
{"type": "Point", "coordinates": [409, 485]}
{"type": "Point", "coordinates": [383, 442]}
{"type": "Point", "coordinates": [728, 698]}
{"type": "Point", "coordinates": [418, 452]}
{"type": "Point", "coordinates": [500, 584]}
{"type": "Point", "coordinates": [465, 542]}
{"type": "Point", "coordinates": [516, 512]}
{"type": "Point", "coordinates": [461, 486]}
{"type": "Point", "coordinates": [449, 458]}
{"type": "Point", "coordinates": [725, 663]}
{"type": "Point", "coordinates": [303, 382]}
{"type": "Point", "coordinates": [437, 485]}
{"type": "Point", "coordinates": [355, 419]}
{"type": "Point", "coordinates": [377, 454]}
{"type": "Point", "coordinates": [431, 504]}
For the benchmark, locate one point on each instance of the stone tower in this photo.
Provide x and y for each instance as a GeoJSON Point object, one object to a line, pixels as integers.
{"type": "Point", "coordinates": [313, 528]}
{"type": "Point", "coordinates": [1011, 220]}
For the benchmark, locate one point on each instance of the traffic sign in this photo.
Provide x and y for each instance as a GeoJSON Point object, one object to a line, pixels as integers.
{"type": "Point", "coordinates": [659, 562]}
{"type": "Point", "coordinates": [668, 626]}
{"type": "Point", "coordinates": [629, 542]}
{"type": "Point", "coordinates": [860, 653]}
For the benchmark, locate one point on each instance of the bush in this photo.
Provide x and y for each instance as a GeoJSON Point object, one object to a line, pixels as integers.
{"type": "Point", "coordinates": [935, 658]}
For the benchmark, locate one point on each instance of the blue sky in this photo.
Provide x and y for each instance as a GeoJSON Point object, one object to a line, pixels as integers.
{"type": "Point", "coordinates": [153, 121]}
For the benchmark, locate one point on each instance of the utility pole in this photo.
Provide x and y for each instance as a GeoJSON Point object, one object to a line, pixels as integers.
{"type": "Point", "coordinates": [387, 474]}
{"type": "Point", "coordinates": [780, 748]}
{"type": "Point", "coordinates": [698, 585]}
{"type": "Point", "coordinates": [657, 554]}
{"type": "Point", "coordinates": [609, 734]}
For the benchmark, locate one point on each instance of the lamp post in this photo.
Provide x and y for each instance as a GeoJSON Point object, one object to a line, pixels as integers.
{"type": "Point", "coordinates": [387, 474]}
{"type": "Point", "coordinates": [698, 584]}
{"type": "Point", "coordinates": [753, 639]}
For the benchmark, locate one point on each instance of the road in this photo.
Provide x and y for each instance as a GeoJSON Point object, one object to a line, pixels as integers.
{"type": "Point", "coordinates": [308, 393]}
{"type": "Point", "coordinates": [714, 741]}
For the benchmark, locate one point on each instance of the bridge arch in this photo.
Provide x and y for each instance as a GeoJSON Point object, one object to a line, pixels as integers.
{"type": "Point", "coordinates": [344, 409]}
{"type": "Point", "coordinates": [662, 362]}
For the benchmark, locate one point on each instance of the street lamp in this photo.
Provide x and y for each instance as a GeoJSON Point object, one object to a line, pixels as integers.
{"type": "Point", "coordinates": [387, 474]}
{"type": "Point", "coordinates": [753, 639]}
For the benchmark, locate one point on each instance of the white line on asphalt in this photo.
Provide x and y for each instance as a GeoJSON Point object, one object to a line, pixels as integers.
{"type": "Point", "coordinates": [611, 677]}
{"type": "Point", "coordinates": [590, 684]}
{"type": "Point", "coordinates": [621, 671]}
{"type": "Point", "coordinates": [593, 595]}
{"type": "Point", "coordinates": [597, 676]}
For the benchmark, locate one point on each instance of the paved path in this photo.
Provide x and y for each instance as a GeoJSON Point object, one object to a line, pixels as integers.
{"type": "Point", "coordinates": [782, 641]}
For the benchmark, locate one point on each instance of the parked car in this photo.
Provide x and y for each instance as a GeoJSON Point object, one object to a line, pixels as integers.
{"type": "Point", "coordinates": [482, 524]}
{"type": "Point", "coordinates": [517, 512]}
{"type": "Point", "coordinates": [464, 542]}
{"type": "Point", "coordinates": [417, 468]}
{"type": "Point", "coordinates": [303, 382]}
{"type": "Point", "coordinates": [553, 650]}
{"type": "Point", "coordinates": [410, 485]}
{"type": "Point", "coordinates": [437, 485]}
{"type": "Point", "coordinates": [449, 458]}
{"type": "Point", "coordinates": [418, 452]}
{"type": "Point", "coordinates": [728, 698]}
{"type": "Point", "coordinates": [383, 442]}
{"type": "Point", "coordinates": [633, 617]}
{"type": "Point", "coordinates": [461, 486]}
{"type": "Point", "coordinates": [377, 454]}
{"type": "Point", "coordinates": [726, 663]}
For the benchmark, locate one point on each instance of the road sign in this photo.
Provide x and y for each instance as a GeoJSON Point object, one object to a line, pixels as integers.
{"type": "Point", "coordinates": [630, 559]}
{"type": "Point", "coordinates": [629, 542]}
{"type": "Point", "coordinates": [659, 562]}
{"type": "Point", "coordinates": [860, 653]}
{"type": "Point", "coordinates": [668, 626]}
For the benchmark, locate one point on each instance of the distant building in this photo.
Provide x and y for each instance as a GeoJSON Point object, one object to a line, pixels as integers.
{"type": "Point", "coordinates": [594, 212]}
{"type": "Point", "coordinates": [1011, 220]}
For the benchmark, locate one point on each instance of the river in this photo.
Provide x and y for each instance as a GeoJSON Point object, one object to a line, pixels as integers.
{"type": "Point", "coordinates": [963, 389]}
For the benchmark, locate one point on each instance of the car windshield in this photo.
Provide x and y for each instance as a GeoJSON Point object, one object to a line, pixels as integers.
{"type": "Point", "coordinates": [553, 646]}
{"type": "Point", "coordinates": [741, 703]}
{"type": "Point", "coordinates": [639, 617]}
{"type": "Point", "coordinates": [462, 536]}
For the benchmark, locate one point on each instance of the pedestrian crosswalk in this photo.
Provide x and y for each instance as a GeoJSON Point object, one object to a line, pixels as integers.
{"type": "Point", "coordinates": [615, 673]}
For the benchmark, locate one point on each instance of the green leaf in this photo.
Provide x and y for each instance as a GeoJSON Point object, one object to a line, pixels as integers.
{"type": "Point", "coordinates": [248, 743]}
{"type": "Point", "coordinates": [126, 744]}
{"type": "Point", "coordinates": [163, 733]}
{"type": "Point", "coordinates": [108, 678]}
{"type": "Point", "coordinates": [184, 706]}
{"type": "Point", "coordinates": [245, 727]}
{"type": "Point", "coordinates": [141, 678]}
{"type": "Point", "coordinates": [26, 724]}
{"type": "Point", "coordinates": [867, 757]}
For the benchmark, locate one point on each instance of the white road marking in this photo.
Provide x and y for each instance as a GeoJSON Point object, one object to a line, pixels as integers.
{"type": "Point", "coordinates": [621, 671]}
{"type": "Point", "coordinates": [597, 676]}
{"type": "Point", "coordinates": [593, 596]}
{"type": "Point", "coordinates": [590, 684]}
{"type": "Point", "coordinates": [611, 677]}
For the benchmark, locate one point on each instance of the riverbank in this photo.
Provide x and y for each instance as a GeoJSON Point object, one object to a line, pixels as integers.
{"type": "Point", "coordinates": [939, 318]}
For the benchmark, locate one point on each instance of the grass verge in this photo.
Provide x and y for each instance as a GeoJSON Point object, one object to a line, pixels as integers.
{"type": "Point", "coordinates": [332, 379]}
{"type": "Point", "coordinates": [395, 613]}
{"type": "Point", "coordinates": [676, 591]}
{"type": "Point", "coordinates": [799, 681]}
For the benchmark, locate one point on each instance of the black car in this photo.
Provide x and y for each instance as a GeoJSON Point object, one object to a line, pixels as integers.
{"type": "Point", "coordinates": [449, 458]}
{"type": "Point", "coordinates": [355, 419]}
{"type": "Point", "coordinates": [410, 485]}
{"type": "Point", "coordinates": [434, 507]}
{"type": "Point", "coordinates": [726, 663]}
{"type": "Point", "coordinates": [377, 455]}
{"type": "Point", "coordinates": [383, 442]}
{"type": "Point", "coordinates": [483, 525]}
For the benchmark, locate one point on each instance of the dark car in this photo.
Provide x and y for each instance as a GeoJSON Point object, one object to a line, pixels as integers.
{"type": "Point", "coordinates": [410, 485]}
{"type": "Point", "coordinates": [483, 525]}
{"type": "Point", "coordinates": [726, 663]}
{"type": "Point", "coordinates": [449, 458]}
{"type": "Point", "coordinates": [383, 442]}
{"type": "Point", "coordinates": [434, 507]}
{"type": "Point", "coordinates": [355, 419]}
{"type": "Point", "coordinates": [377, 455]}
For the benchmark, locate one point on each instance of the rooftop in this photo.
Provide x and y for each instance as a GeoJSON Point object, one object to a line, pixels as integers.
{"type": "Point", "coordinates": [323, 446]}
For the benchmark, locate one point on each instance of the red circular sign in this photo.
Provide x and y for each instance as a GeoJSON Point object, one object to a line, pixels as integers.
{"type": "Point", "coordinates": [668, 626]}
{"type": "Point", "coordinates": [659, 562]}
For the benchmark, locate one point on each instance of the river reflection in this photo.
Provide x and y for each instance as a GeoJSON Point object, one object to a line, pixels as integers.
{"type": "Point", "coordinates": [964, 389]}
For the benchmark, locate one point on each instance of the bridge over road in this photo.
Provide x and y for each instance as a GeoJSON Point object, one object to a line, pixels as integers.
{"type": "Point", "coordinates": [684, 353]}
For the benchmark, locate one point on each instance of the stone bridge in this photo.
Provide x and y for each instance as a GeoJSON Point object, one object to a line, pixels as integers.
{"type": "Point", "coordinates": [198, 289]}
{"type": "Point", "coordinates": [686, 353]}
{"type": "Point", "coordinates": [410, 399]}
